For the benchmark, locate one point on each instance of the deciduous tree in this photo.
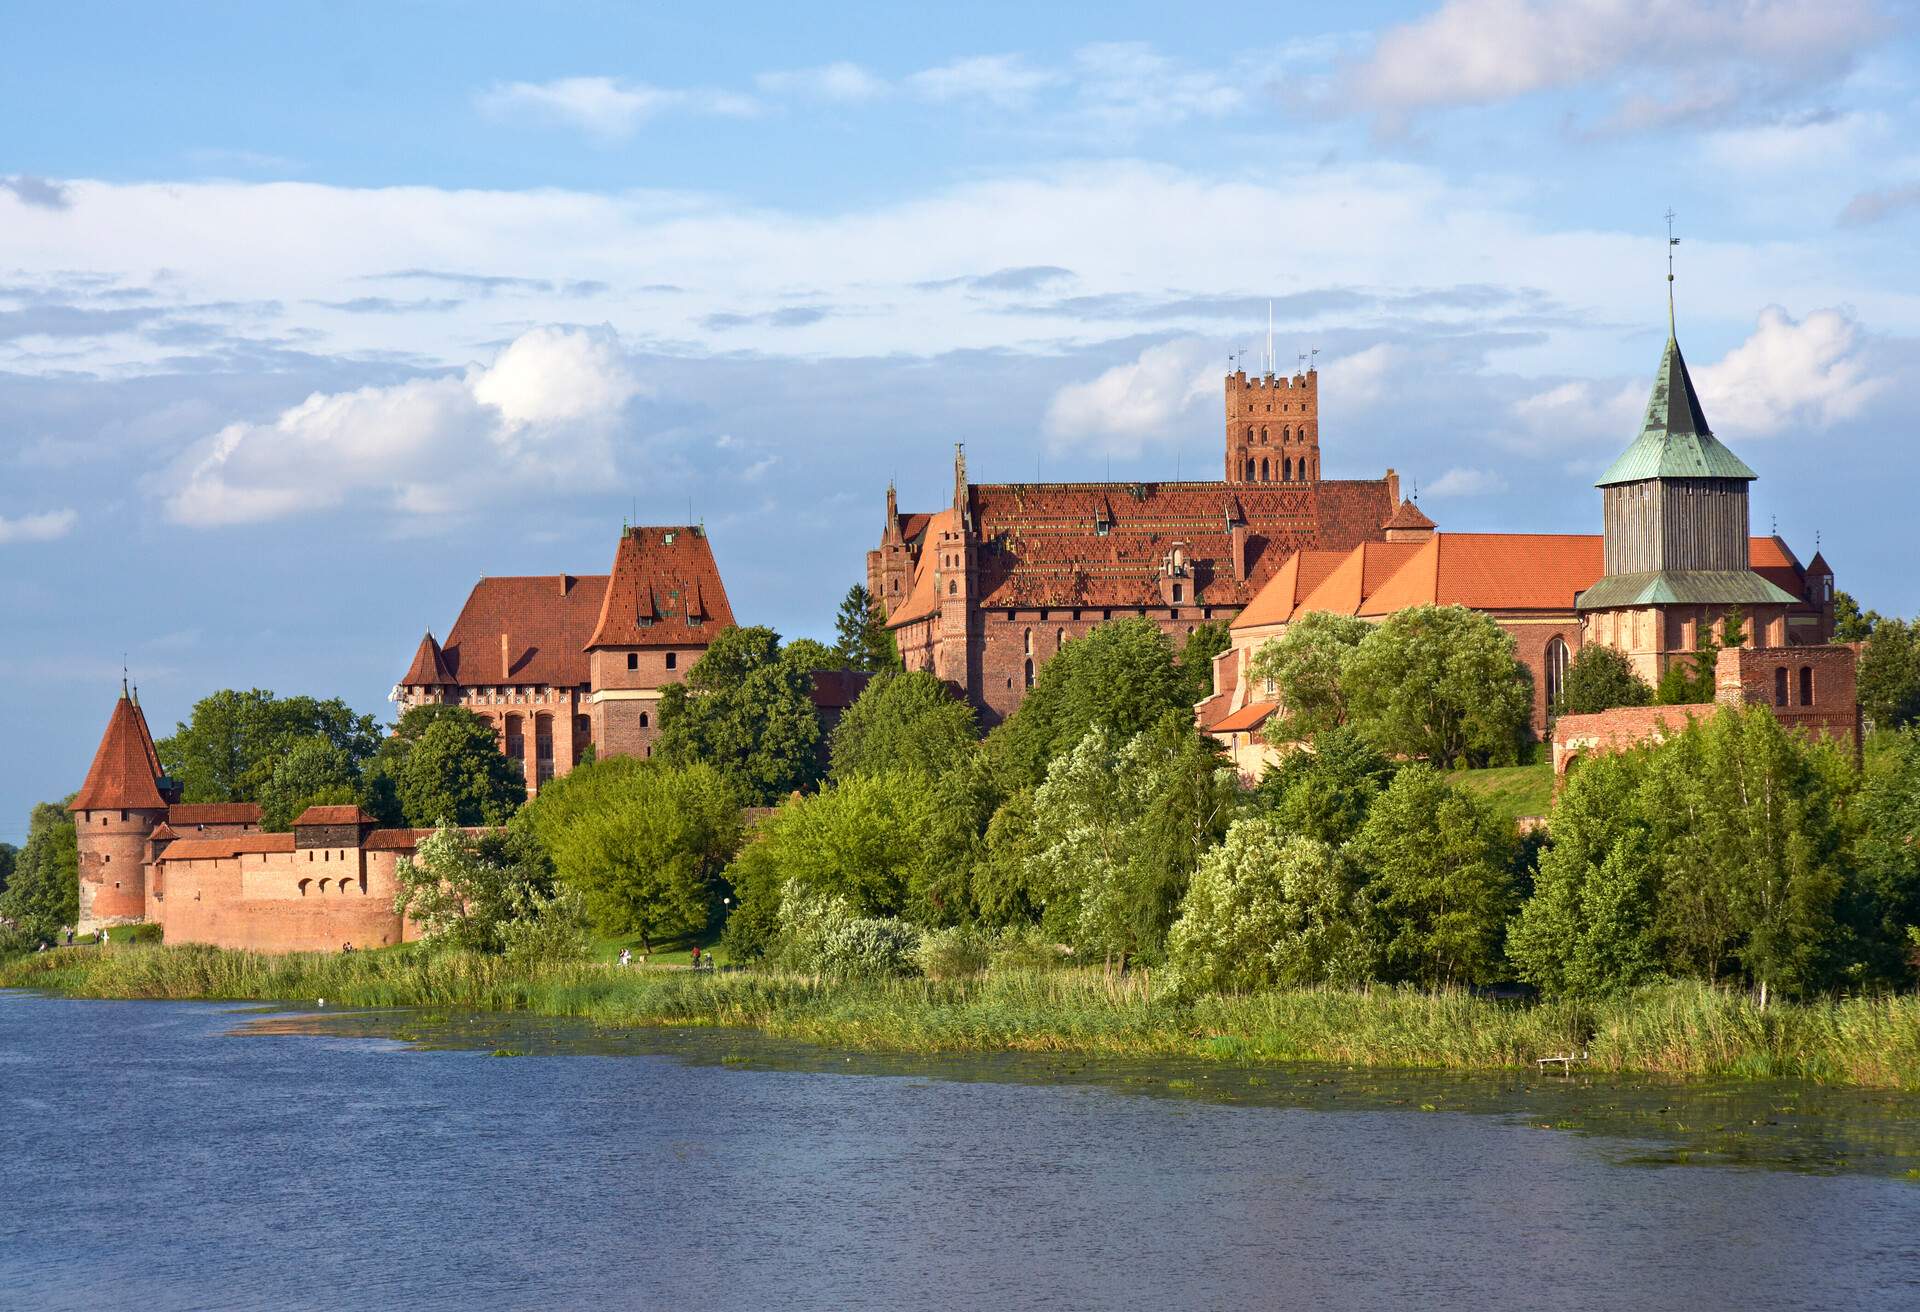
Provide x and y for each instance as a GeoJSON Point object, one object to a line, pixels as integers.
{"type": "Point", "coordinates": [1306, 668]}
{"type": "Point", "coordinates": [1439, 683]}
{"type": "Point", "coordinates": [1600, 678]}
{"type": "Point", "coordinates": [746, 712]}
{"type": "Point", "coordinates": [903, 720]}
{"type": "Point", "coordinates": [43, 897]}
{"type": "Point", "coordinates": [232, 740]}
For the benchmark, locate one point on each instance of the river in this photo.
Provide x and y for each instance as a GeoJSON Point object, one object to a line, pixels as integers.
{"type": "Point", "coordinates": [190, 1155]}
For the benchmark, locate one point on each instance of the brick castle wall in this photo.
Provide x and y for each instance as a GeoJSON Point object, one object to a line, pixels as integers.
{"type": "Point", "coordinates": [113, 877]}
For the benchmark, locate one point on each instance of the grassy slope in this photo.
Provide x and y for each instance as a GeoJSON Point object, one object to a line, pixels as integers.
{"type": "Point", "coordinates": [1681, 1029]}
{"type": "Point", "coordinates": [1514, 790]}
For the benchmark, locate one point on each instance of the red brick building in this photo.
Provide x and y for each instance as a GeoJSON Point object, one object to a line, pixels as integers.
{"type": "Point", "coordinates": [558, 661]}
{"type": "Point", "coordinates": [983, 591]}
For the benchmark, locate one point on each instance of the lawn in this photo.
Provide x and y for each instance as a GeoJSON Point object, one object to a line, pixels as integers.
{"type": "Point", "coordinates": [1514, 790]}
{"type": "Point", "coordinates": [675, 951]}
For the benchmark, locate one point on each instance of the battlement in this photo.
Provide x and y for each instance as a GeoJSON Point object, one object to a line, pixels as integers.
{"type": "Point", "coordinates": [1307, 382]}
{"type": "Point", "coordinates": [1273, 428]}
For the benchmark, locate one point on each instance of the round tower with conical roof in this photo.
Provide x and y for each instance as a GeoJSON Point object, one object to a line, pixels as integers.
{"type": "Point", "coordinates": [125, 797]}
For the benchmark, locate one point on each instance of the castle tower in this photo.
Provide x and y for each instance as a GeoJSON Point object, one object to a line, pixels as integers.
{"type": "Point", "coordinates": [125, 797]}
{"type": "Point", "coordinates": [954, 577]}
{"type": "Point", "coordinates": [1273, 428]}
{"type": "Point", "coordinates": [1677, 553]}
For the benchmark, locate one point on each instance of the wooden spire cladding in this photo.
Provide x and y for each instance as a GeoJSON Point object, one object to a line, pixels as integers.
{"type": "Point", "coordinates": [125, 774]}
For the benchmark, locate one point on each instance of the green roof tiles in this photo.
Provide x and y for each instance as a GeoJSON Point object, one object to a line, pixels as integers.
{"type": "Point", "coordinates": [1674, 440]}
{"type": "Point", "coordinates": [1741, 587]}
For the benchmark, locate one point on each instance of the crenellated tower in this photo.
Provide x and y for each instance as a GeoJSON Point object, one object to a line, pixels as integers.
{"type": "Point", "coordinates": [1273, 428]}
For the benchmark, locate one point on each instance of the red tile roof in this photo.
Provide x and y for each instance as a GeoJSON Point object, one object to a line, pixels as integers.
{"type": "Point", "coordinates": [838, 689]}
{"type": "Point", "coordinates": [214, 813]}
{"type": "Point", "coordinates": [1353, 580]}
{"type": "Point", "coordinates": [332, 815]}
{"type": "Point", "coordinates": [232, 845]}
{"type": "Point", "coordinates": [1292, 584]}
{"type": "Point", "coordinates": [1102, 544]}
{"type": "Point", "coordinates": [125, 774]}
{"type": "Point", "coordinates": [394, 840]}
{"type": "Point", "coordinates": [665, 591]}
{"type": "Point", "coordinates": [545, 621]}
{"type": "Point", "coordinates": [429, 668]}
{"type": "Point", "coordinates": [1493, 572]}
{"type": "Point", "coordinates": [1247, 718]}
{"type": "Point", "coordinates": [1773, 560]}
{"type": "Point", "coordinates": [1408, 516]}
{"type": "Point", "coordinates": [162, 832]}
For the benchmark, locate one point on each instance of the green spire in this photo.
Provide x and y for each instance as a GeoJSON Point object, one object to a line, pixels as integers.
{"type": "Point", "coordinates": [1674, 440]}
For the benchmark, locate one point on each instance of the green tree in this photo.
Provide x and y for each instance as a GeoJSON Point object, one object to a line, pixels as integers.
{"type": "Point", "coordinates": [1325, 790]}
{"type": "Point", "coordinates": [491, 891]}
{"type": "Point", "coordinates": [443, 763]}
{"type": "Point", "coordinates": [1121, 677]}
{"type": "Point", "coordinates": [1305, 667]}
{"type": "Point", "coordinates": [1271, 908]}
{"type": "Point", "coordinates": [313, 771]}
{"type": "Point", "coordinates": [1850, 623]}
{"type": "Point", "coordinates": [1888, 680]}
{"type": "Point", "coordinates": [903, 720]}
{"type": "Point", "coordinates": [231, 742]}
{"type": "Point", "coordinates": [9, 856]}
{"type": "Point", "coordinates": [1600, 678]}
{"type": "Point", "coordinates": [1589, 927]}
{"type": "Point", "coordinates": [1439, 683]}
{"type": "Point", "coordinates": [863, 640]}
{"type": "Point", "coordinates": [1745, 820]}
{"type": "Point", "coordinates": [43, 897]}
{"type": "Point", "coordinates": [643, 842]}
{"type": "Point", "coordinates": [1118, 829]}
{"type": "Point", "coordinates": [1883, 900]}
{"type": "Point", "coordinates": [1196, 659]}
{"type": "Point", "coordinates": [748, 713]}
{"type": "Point", "coordinates": [1437, 860]}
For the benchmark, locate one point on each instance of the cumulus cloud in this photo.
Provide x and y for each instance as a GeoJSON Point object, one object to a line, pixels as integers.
{"type": "Point", "coordinates": [840, 82]}
{"type": "Point", "coordinates": [1004, 81]}
{"type": "Point", "coordinates": [1579, 413]}
{"type": "Point", "coordinates": [606, 107]}
{"type": "Point", "coordinates": [1134, 404]}
{"type": "Point", "coordinates": [1465, 483]}
{"type": "Point", "coordinates": [1873, 206]}
{"type": "Point", "coordinates": [543, 413]}
{"type": "Point", "coordinates": [1694, 55]}
{"type": "Point", "coordinates": [42, 193]}
{"type": "Point", "coordinates": [1790, 375]}
{"type": "Point", "coordinates": [44, 527]}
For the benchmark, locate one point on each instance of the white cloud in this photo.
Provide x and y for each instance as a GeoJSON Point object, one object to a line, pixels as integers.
{"type": "Point", "coordinates": [605, 107]}
{"type": "Point", "coordinates": [1465, 483]}
{"type": "Point", "coordinates": [1473, 52]}
{"type": "Point", "coordinates": [1132, 405]}
{"type": "Point", "coordinates": [1790, 375]}
{"type": "Point", "coordinates": [1873, 206]}
{"type": "Point", "coordinates": [1128, 85]}
{"type": "Point", "coordinates": [44, 527]}
{"type": "Point", "coordinates": [541, 414]}
{"type": "Point", "coordinates": [1005, 81]}
{"type": "Point", "coordinates": [1814, 143]}
{"type": "Point", "coordinates": [840, 82]}
{"type": "Point", "coordinates": [1579, 413]}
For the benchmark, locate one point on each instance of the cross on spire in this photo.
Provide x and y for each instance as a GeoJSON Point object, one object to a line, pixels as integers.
{"type": "Point", "coordinates": [1672, 241]}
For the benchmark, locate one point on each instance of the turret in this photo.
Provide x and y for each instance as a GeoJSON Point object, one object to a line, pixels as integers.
{"type": "Point", "coordinates": [123, 800]}
{"type": "Point", "coordinates": [1273, 428]}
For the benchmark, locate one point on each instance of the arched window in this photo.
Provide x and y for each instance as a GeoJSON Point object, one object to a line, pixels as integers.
{"type": "Point", "coordinates": [1263, 470]}
{"type": "Point", "coordinates": [1557, 658]}
{"type": "Point", "coordinates": [1780, 686]}
{"type": "Point", "coordinates": [643, 719]}
{"type": "Point", "coordinates": [952, 588]}
{"type": "Point", "coordinates": [1029, 642]}
{"type": "Point", "coordinates": [1029, 672]}
{"type": "Point", "coordinates": [1286, 435]}
{"type": "Point", "coordinates": [1059, 639]}
{"type": "Point", "coordinates": [1263, 434]}
{"type": "Point", "coordinates": [1249, 479]}
{"type": "Point", "coordinates": [1249, 432]}
{"type": "Point", "coordinates": [1806, 685]}
{"type": "Point", "coordinates": [303, 886]}
{"type": "Point", "coordinates": [1286, 470]}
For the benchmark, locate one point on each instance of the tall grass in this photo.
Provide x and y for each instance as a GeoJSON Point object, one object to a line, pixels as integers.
{"type": "Point", "coordinates": [1678, 1029]}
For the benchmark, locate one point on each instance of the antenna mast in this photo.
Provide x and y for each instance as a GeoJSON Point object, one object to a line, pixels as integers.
{"type": "Point", "coordinates": [1672, 241]}
{"type": "Point", "coordinates": [1272, 360]}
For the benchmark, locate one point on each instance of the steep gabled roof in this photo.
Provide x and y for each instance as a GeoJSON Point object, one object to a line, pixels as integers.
{"type": "Point", "coordinates": [921, 599]}
{"type": "Point", "coordinates": [546, 620]}
{"type": "Point", "coordinates": [665, 591]}
{"type": "Point", "coordinates": [1355, 578]}
{"type": "Point", "coordinates": [429, 668]}
{"type": "Point", "coordinates": [1674, 440]}
{"type": "Point", "coordinates": [332, 815]}
{"type": "Point", "coordinates": [1295, 581]}
{"type": "Point", "coordinates": [1408, 516]}
{"type": "Point", "coordinates": [125, 774]}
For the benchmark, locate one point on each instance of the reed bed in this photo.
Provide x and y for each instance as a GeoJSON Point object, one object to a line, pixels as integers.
{"type": "Point", "coordinates": [1676, 1029]}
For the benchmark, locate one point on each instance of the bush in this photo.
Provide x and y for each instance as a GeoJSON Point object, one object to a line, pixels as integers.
{"type": "Point", "coordinates": [956, 952]}
{"type": "Point", "coordinates": [876, 947]}
{"type": "Point", "coordinates": [1025, 950]}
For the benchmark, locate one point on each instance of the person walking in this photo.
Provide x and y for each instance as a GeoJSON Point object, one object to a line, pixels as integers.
{"type": "Point", "coordinates": [696, 958]}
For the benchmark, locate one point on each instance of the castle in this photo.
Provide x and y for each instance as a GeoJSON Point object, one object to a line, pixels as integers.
{"type": "Point", "coordinates": [205, 873]}
{"type": "Point", "coordinates": [560, 662]}
{"type": "Point", "coordinates": [1674, 560]}
{"type": "Point", "coordinates": [984, 590]}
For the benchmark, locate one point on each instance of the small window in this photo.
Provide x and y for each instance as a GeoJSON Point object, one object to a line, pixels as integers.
{"type": "Point", "coordinates": [673, 659]}
{"type": "Point", "coordinates": [1806, 685]}
{"type": "Point", "coordinates": [643, 719]}
{"type": "Point", "coordinates": [952, 588]}
{"type": "Point", "coordinates": [1780, 686]}
{"type": "Point", "coordinates": [1176, 594]}
{"type": "Point", "coordinates": [633, 660]}
{"type": "Point", "coordinates": [1029, 673]}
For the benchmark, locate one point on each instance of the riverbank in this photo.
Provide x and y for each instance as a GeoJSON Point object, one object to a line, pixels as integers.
{"type": "Point", "coordinates": [1679, 1029]}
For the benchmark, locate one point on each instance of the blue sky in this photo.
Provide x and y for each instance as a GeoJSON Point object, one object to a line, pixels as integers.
{"type": "Point", "coordinates": [309, 316]}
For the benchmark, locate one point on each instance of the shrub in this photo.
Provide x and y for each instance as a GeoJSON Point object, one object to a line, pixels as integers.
{"type": "Point", "coordinates": [956, 952]}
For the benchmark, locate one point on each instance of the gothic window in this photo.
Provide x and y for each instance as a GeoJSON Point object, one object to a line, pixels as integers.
{"type": "Point", "coordinates": [1029, 672]}
{"type": "Point", "coordinates": [1029, 648]}
{"type": "Point", "coordinates": [1557, 657]}
{"type": "Point", "coordinates": [1806, 685]}
{"type": "Point", "coordinates": [1249, 475]}
{"type": "Point", "coordinates": [1286, 470]}
{"type": "Point", "coordinates": [952, 588]}
{"type": "Point", "coordinates": [1780, 686]}
{"type": "Point", "coordinates": [1263, 434]}
{"type": "Point", "coordinates": [1263, 471]}
{"type": "Point", "coordinates": [1176, 594]}
{"type": "Point", "coordinates": [1286, 435]}
{"type": "Point", "coordinates": [1059, 639]}
{"type": "Point", "coordinates": [643, 719]}
{"type": "Point", "coordinates": [1249, 432]}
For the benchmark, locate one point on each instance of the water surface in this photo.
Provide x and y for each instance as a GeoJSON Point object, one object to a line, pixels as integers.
{"type": "Point", "coordinates": [184, 1155]}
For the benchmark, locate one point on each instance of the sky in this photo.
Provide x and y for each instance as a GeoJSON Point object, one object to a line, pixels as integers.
{"type": "Point", "coordinates": [312, 315]}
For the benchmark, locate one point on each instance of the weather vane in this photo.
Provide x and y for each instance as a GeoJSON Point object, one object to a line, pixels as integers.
{"type": "Point", "coordinates": [1672, 241]}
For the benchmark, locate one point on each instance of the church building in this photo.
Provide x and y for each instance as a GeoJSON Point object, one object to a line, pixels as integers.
{"type": "Point", "coordinates": [984, 590]}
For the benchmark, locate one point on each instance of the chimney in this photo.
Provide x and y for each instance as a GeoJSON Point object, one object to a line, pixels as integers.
{"type": "Point", "coordinates": [1239, 552]}
{"type": "Point", "coordinates": [1393, 488]}
{"type": "Point", "coordinates": [506, 661]}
